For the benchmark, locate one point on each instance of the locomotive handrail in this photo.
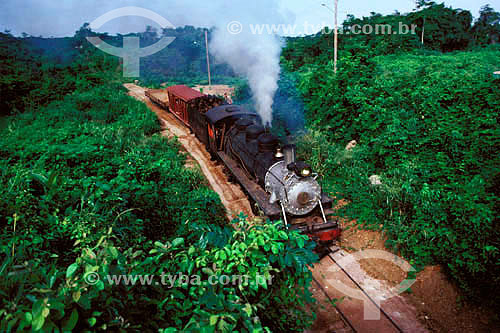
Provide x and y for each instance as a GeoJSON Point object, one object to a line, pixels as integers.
{"type": "Point", "coordinates": [284, 186]}
{"type": "Point", "coordinates": [230, 144]}
{"type": "Point", "coordinates": [241, 161]}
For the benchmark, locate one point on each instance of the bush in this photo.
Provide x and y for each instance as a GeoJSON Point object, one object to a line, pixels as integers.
{"type": "Point", "coordinates": [89, 186]}
{"type": "Point", "coordinates": [428, 125]}
{"type": "Point", "coordinates": [268, 260]}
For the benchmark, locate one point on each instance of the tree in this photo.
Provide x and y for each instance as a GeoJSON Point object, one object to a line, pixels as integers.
{"type": "Point", "coordinates": [442, 28]}
{"type": "Point", "coordinates": [424, 3]}
{"type": "Point", "coordinates": [81, 34]}
{"type": "Point", "coordinates": [486, 29]}
{"type": "Point", "coordinates": [151, 34]}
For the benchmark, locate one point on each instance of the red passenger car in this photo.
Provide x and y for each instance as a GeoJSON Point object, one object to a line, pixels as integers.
{"type": "Point", "coordinates": [179, 99]}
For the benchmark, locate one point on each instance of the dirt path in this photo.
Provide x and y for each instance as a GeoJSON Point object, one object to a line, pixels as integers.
{"type": "Point", "coordinates": [437, 300]}
{"type": "Point", "coordinates": [329, 319]}
{"type": "Point", "coordinates": [231, 195]}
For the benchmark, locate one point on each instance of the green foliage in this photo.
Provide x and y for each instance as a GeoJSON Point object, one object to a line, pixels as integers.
{"type": "Point", "coordinates": [443, 29]}
{"type": "Point", "coordinates": [90, 188]}
{"type": "Point", "coordinates": [255, 280]}
{"type": "Point", "coordinates": [25, 79]}
{"type": "Point", "coordinates": [382, 39]}
{"type": "Point", "coordinates": [428, 125]}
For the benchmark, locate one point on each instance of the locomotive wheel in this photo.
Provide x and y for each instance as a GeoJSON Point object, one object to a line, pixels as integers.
{"type": "Point", "coordinates": [256, 209]}
{"type": "Point", "coordinates": [229, 175]}
{"type": "Point", "coordinates": [213, 158]}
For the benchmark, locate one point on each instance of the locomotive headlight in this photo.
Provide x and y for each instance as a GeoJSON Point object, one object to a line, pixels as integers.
{"type": "Point", "coordinates": [278, 154]}
{"type": "Point", "coordinates": [305, 172]}
{"type": "Point", "coordinates": [301, 169]}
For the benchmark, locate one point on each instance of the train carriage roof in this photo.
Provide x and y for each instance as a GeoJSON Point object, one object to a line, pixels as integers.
{"type": "Point", "coordinates": [184, 92]}
{"type": "Point", "coordinates": [225, 111]}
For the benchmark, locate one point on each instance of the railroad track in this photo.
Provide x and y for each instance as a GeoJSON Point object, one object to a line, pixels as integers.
{"type": "Point", "coordinates": [395, 314]}
{"type": "Point", "coordinates": [231, 195]}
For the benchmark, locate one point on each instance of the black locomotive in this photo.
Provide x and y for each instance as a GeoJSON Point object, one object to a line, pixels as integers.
{"type": "Point", "coordinates": [281, 186]}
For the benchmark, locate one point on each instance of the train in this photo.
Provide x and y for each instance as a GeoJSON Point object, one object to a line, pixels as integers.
{"type": "Point", "coordinates": [282, 186]}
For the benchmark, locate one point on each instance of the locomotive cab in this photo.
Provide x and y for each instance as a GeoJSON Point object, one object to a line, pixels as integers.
{"type": "Point", "coordinates": [220, 120]}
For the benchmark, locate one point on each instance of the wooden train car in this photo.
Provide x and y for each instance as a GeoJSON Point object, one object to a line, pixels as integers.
{"type": "Point", "coordinates": [158, 96]}
{"type": "Point", "coordinates": [188, 105]}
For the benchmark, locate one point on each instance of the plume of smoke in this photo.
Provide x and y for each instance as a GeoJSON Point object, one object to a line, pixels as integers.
{"type": "Point", "coordinates": [251, 54]}
{"type": "Point", "coordinates": [257, 58]}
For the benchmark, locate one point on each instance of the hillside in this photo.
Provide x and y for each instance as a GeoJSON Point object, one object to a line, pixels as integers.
{"type": "Point", "coordinates": [109, 225]}
{"type": "Point", "coordinates": [92, 192]}
{"type": "Point", "coordinates": [426, 123]}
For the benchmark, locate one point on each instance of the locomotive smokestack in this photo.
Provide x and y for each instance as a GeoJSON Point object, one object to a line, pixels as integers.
{"type": "Point", "coordinates": [255, 56]}
{"type": "Point", "coordinates": [289, 152]}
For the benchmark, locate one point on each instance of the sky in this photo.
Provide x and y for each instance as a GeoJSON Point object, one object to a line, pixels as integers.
{"type": "Point", "coordinates": [60, 18]}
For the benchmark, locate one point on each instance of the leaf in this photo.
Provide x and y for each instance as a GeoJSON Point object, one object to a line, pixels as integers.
{"type": "Point", "coordinates": [222, 254]}
{"type": "Point", "coordinates": [71, 270]}
{"type": "Point", "coordinates": [213, 320]}
{"type": "Point", "coordinates": [28, 317]}
{"type": "Point", "coordinates": [37, 322]}
{"type": "Point", "coordinates": [300, 242]}
{"type": "Point", "coordinates": [100, 285]}
{"type": "Point", "coordinates": [283, 234]}
{"type": "Point", "coordinates": [114, 252]}
{"type": "Point", "coordinates": [177, 242]}
{"type": "Point", "coordinates": [207, 270]}
{"type": "Point", "coordinates": [248, 309]}
{"type": "Point", "coordinates": [37, 307]}
{"type": "Point", "coordinates": [70, 323]}
{"type": "Point", "coordinates": [92, 321]}
{"type": "Point", "coordinates": [76, 295]}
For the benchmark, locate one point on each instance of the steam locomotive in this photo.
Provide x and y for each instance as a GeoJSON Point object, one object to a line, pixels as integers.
{"type": "Point", "coordinates": [282, 186]}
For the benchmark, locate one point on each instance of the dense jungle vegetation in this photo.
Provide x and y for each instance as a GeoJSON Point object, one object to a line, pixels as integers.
{"type": "Point", "coordinates": [426, 120]}
{"type": "Point", "coordinates": [88, 185]}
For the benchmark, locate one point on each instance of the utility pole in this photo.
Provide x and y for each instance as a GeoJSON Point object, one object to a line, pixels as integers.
{"type": "Point", "coordinates": [335, 43]}
{"type": "Point", "coordinates": [336, 33]}
{"type": "Point", "coordinates": [423, 30]}
{"type": "Point", "coordinates": [208, 59]}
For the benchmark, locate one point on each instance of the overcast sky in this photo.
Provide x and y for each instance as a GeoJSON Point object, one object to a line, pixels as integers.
{"type": "Point", "coordinates": [63, 17]}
